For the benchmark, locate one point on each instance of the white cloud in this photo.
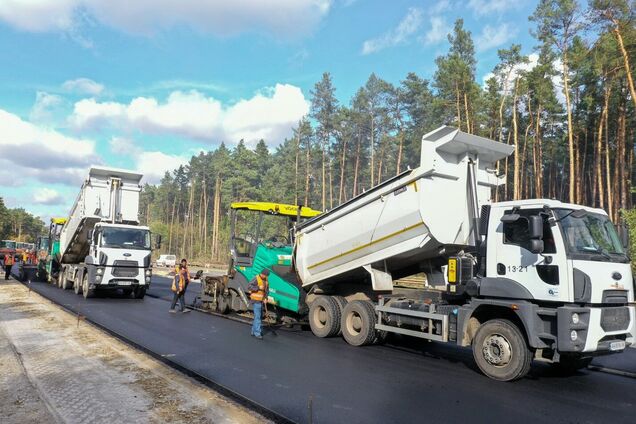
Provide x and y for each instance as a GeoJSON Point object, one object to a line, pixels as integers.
{"type": "Point", "coordinates": [493, 37]}
{"type": "Point", "coordinates": [533, 60]}
{"type": "Point", "coordinates": [400, 34]}
{"type": "Point", "coordinates": [47, 196]}
{"type": "Point", "coordinates": [38, 16]}
{"type": "Point", "coordinates": [269, 115]}
{"type": "Point", "coordinates": [83, 86]}
{"type": "Point", "coordinates": [223, 17]}
{"type": "Point", "coordinates": [30, 151]}
{"type": "Point", "coordinates": [487, 7]}
{"type": "Point", "coordinates": [124, 146]}
{"type": "Point", "coordinates": [155, 164]}
{"type": "Point", "coordinates": [44, 108]}
{"type": "Point", "coordinates": [438, 31]}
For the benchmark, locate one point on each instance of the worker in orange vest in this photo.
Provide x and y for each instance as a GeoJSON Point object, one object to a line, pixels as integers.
{"type": "Point", "coordinates": [258, 288]}
{"type": "Point", "coordinates": [179, 284]}
{"type": "Point", "coordinates": [8, 263]}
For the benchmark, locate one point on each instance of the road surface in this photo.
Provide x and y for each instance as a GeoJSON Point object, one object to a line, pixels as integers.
{"type": "Point", "coordinates": [402, 382]}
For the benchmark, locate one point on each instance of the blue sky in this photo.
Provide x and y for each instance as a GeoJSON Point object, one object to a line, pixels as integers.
{"type": "Point", "coordinates": [146, 84]}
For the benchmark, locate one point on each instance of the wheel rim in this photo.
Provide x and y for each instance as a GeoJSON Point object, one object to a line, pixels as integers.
{"type": "Point", "coordinates": [320, 317]}
{"type": "Point", "coordinates": [497, 350]}
{"type": "Point", "coordinates": [354, 323]}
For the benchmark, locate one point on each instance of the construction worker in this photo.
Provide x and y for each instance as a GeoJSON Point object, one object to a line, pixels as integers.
{"type": "Point", "coordinates": [179, 284]}
{"type": "Point", "coordinates": [258, 288]}
{"type": "Point", "coordinates": [25, 257]}
{"type": "Point", "coordinates": [8, 263]}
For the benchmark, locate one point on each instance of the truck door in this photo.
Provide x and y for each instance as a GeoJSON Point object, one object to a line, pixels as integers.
{"type": "Point", "coordinates": [544, 275]}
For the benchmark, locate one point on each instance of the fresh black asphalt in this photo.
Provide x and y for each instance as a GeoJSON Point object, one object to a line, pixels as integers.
{"type": "Point", "coordinates": [403, 382]}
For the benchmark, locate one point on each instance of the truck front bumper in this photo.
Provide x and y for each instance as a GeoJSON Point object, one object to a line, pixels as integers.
{"type": "Point", "coordinates": [595, 330]}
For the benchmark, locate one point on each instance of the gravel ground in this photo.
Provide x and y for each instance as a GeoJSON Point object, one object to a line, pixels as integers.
{"type": "Point", "coordinates": [56, 368]}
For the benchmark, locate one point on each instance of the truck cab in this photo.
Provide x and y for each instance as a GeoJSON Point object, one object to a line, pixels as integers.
{"type": "Point", "coordinates": [119, 258]}
{"type": "Point", "coordinates": [563, 256]}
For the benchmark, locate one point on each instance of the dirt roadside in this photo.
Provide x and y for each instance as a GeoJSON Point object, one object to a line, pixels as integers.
{"type": "Point", "coordinates": [54, 370]}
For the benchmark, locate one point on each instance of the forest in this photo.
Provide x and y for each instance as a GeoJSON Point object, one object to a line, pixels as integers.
{"type": "Point", "coordinates": [568, 108]}
{"type": "Point", "coordinates": [19, 225]}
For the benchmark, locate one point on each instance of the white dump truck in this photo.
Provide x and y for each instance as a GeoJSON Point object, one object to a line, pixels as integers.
{"type": "Point", "coordinates": [102, 245]}
{"type": "Point", "coordinates": [516, 280]}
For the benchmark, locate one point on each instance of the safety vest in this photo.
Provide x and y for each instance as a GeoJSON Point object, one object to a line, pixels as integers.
{"type": "Point", "coordinates": [180, 275]}
{"type": "Point", "coordinates": [8, 259]}
{"type": "Point", "coordinates": [259, 295]}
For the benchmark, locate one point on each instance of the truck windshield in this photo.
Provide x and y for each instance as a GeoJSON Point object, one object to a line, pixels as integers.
{"type": "Point", "coordinates": [8, 244]}
{"type": "Point", "coordinates": [591, 236]}
{"type": "Point", "coordinates": [128, 238]}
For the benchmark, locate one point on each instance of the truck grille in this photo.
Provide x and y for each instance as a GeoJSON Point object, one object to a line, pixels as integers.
{"type": "Point", "coordinates": [125, 269]}
{"type": "Point", "coordinates": [614, 319]}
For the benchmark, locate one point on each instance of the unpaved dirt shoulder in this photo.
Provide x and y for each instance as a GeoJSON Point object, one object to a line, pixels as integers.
{"type": "Point", "coordinates": [86, 375]}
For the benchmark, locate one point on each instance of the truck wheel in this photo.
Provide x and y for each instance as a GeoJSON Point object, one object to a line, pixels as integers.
{"type": "Point", "coordinates": [60, 277]}
{"type": "Point", "coordinates": [500, 350]}
{"type": "Point", "coordinates": [569, 365]}
{"type": "Point", "coordinates": [324, 316]}
{"type": "Point", "coordinates": [77, 286]}
{"type": "Point", "coordinates": [341, 302]}
{"type": "Point", "coordinates": [139, 292]}
{"type": "Point", "coordinates": [88, 293]}
{"type": "Point", "coordinates": [223, 303]}
{"type": "Point", "coordinates": [358, 323]}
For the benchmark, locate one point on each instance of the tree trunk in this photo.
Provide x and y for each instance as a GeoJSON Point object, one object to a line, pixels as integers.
{"type": "Point", "coordinates": [516, 181]}
{"type": "Point", "coordinates": [307, 167]}
{"type": "Point", "coordinates": [356, 167]}
{"type": "Point", "coordinates": [538, 188]}
{"type": "Point", "coordinates": [343, 161]}
{"type": "Point", "coordinates": [372, 149]}
{"type": "Point", "coordinates": [400, 147]}
{"type": "Point", "coordinates": [628, 70]}
{"type": "Point", "coordinates": [324, 178]}
{"type": "Point", "coordinates": [468, 130]}
{"type": "Point", "coordinates": [608, 179]}
{"type": "Point", "coordinates": [296, 169]}
{"type": "Point", "coordinates": [568, 108]}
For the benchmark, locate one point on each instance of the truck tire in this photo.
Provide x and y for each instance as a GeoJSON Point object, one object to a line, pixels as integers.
{"type": "Point", "coordinates": [569, 365]}
{"type": "Point", "coordinates": [324, 316]}
{"type": "Point", "coordinates": [341, 302]}
{"type": "Point", "coordinates": [77, 285]}
{"type": "Point", "coordinates": [61, 275]}
{"type": "Point", "coordinates": [500, 350]}
{"type": "Point", "coordinates": [223, 303]}
{"type": "Point", "coordinates": [358, 323]}
{"type": "Point", "coordinates": [139, 292]}
{"type": "Point", "coordinates": [67, 284]}
{"type": "Point", "coordinates": [88, 293]}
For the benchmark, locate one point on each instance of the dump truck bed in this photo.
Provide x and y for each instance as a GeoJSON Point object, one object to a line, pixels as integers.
{"type": "Point", "coordinates": [408, 218]}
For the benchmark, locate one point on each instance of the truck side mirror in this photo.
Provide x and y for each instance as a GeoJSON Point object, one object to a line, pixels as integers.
{"type": "Point", "coordinates": [536, 246]}
{"type": "Point", "coordinates": [510, 218]}
{"type": "Point", "coordinates": [535, 227]}
{"type": "Point", "coordinates": [158, 241]}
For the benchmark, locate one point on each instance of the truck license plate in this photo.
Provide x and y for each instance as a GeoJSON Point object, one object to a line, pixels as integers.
{"type": "Point", "coordinates": [617, 345]}
{"type": "Point", "coordinates": [125, 283]}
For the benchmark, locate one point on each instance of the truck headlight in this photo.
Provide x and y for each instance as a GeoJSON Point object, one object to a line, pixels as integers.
{"type": "Point", "coordinates": [574, 335]}
{"type": "Point", "coordinates": [100, 271]}
{"type": "Point", "coordinates": [148, 272]}
{"type": "Point", "coordinates": [575, 318]}
{"type": "Point", "coordinates": [98, 278]}
{"type": "Point", "coordinates": [147, 279]}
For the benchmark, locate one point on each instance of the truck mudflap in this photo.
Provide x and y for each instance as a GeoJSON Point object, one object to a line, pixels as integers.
{"type": "Point", "coordinates": [536, 322]}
